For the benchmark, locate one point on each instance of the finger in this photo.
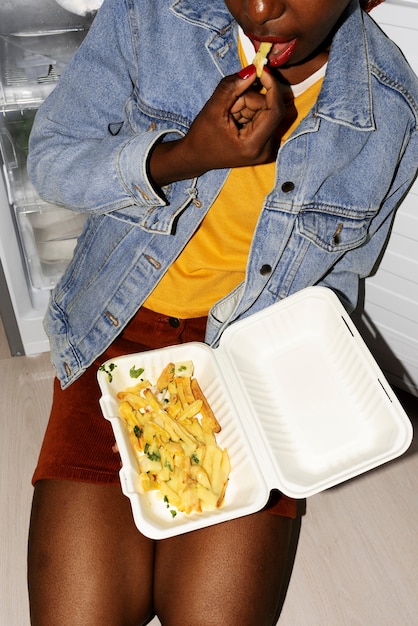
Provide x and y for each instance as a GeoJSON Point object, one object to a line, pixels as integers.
{"type": "Point", "coordinates": [247, 72]}
{"type": "Point", "coordinates": [251, 100]}
{"type": "Point", "coordinates": [273, 92]}
{"type": "Point", "coordinates": [231, 88]}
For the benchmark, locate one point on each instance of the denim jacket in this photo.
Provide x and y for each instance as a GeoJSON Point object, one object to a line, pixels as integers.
{"type": "Point", "coordinates": [142, 74]}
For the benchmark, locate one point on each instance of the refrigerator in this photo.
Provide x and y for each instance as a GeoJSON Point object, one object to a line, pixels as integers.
{"type": "Point", "coordinates": [37, 37]}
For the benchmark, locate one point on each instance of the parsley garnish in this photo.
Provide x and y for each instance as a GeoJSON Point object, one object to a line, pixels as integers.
{"type": "Point", "coordinates": [135, 372]}
{"type": "Point", "coordinates": [167, 504]}
{"type": "Point", "coordinates": [109, 370]}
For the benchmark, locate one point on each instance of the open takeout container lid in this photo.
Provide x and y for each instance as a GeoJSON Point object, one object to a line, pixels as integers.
{"type": "Point", "coordinates": [302, 403]}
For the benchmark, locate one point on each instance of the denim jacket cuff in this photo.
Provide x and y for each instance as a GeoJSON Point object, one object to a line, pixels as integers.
{"type": "Point", "coordinates": [132, 169]}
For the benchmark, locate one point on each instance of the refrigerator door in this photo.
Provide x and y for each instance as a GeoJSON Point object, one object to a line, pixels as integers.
{"type": "Point", "coordinates": [47, 233]}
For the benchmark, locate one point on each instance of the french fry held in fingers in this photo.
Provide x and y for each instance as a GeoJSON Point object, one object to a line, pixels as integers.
{"type": "Point", "coordinates": [172, 430]}
{"type": "Point", "coordinates": [260, 58]}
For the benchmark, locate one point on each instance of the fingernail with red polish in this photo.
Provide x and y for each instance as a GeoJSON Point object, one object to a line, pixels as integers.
{"type": "Point", "coordinates": [246, 72]}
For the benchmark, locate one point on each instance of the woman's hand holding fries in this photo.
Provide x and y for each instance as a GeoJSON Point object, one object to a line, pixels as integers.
{"type": "Point", "coordinates": [235, 128]}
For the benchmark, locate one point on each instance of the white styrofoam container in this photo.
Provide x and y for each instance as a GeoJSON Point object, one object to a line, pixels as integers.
{"type": "Point", "coordinates": [302, 404]}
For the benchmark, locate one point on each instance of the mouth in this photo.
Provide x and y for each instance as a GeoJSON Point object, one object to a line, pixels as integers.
{"type": "Point", "coordinates": [280, 52]}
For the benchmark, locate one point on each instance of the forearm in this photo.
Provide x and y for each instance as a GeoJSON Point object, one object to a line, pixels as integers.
{"type": "Point", "coordinates": [170, 162]}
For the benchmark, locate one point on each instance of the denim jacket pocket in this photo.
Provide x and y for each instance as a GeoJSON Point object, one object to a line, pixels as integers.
{"type": "Point", "coordinates": [333, 229]}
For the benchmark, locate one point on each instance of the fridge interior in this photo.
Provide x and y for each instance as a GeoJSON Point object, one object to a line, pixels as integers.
{"type": "Point", "coordinates": [37, 39]}
{"type": "Point", "coordinates": [30, 66]}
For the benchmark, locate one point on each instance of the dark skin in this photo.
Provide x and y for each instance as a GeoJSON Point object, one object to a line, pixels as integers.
{"type": "Point", "coordinates": [228, 143]}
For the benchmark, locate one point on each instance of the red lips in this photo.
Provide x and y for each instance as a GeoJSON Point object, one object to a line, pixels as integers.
{"type": "Point", "coordinates": [281, 51]}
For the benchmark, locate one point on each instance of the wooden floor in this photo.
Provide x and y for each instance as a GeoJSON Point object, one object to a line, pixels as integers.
{"type": "Point", "coordinates": [357, 558]}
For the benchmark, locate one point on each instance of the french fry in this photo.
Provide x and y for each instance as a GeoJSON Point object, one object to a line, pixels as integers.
{"type": "Point", "coordinates": [199, 475]}
{"type": "Point", "coordinates": [143, 384]}
{"type": "Point", "coordinates": [135, 400]}
{"type": "Point", "coordinates": [260, 58]}
{"type": "Point", "coordinates": [172, 496]}
{"type": "Point", "coordinates": [172, 432]}
{"type": "Point", "coordinates": [144, 483]}
{"type": "Point", "coordinates": [165, 377]}
{"type": "Point", "coordinates": [173, 406]}
{"type": "Point", "coordinates": [181, 395]}
{"type": "Point", "coordinates": [190, 411]}
{"type": "Point", "coordinates": [206, 411]}
{"type": "Point", "coordinates": [185, 382]}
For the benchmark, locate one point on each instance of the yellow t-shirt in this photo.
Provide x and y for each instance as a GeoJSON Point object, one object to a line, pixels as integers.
{"type": "Point", "coordinates": [214, 260]}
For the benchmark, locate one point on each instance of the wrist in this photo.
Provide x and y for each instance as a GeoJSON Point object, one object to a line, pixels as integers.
{"type": "Point", "coordinates": [169, 163]}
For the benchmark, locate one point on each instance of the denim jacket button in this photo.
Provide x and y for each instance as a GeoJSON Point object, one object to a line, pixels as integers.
{"type": "Point", "coordinates": [288, 186]}
{"type": "Point", "coordinates": [265, 269]}
{"type": "Point", "coordinates": [174, 322]}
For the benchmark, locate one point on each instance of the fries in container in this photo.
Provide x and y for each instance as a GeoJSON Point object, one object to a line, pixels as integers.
{"type": "Point", "coordinates": [172, 430]}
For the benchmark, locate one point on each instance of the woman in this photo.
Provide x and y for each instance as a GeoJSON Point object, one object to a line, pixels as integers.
{"type": "Point", "coordinates": [208, 199]}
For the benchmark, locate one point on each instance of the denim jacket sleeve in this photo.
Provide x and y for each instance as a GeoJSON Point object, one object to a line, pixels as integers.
{"type": "Point", "coordinates": [84, 128]}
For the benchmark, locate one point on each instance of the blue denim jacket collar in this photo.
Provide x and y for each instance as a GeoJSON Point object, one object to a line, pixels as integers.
{"type": "Point", "coordinates": [222, 28]}
{"type": "Point", "coordinates": [210, 15]}
{"type": "Point", "coordinates": [333, 103]}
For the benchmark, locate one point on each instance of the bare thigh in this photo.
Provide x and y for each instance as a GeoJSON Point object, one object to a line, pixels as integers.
{"type": "Point", "coordinates": [228, 574]}
{"type": "Point", "coordinates": [87, 562]}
